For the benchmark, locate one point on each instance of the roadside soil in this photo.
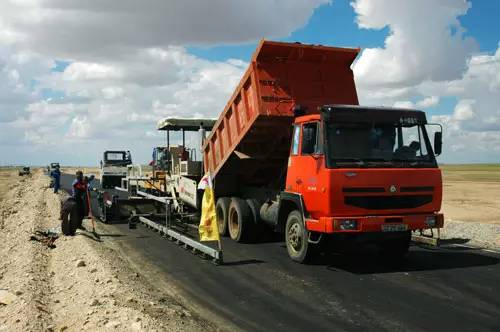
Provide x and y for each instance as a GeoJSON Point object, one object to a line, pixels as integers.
{"type": "Point", "coordinates": [8, 178]}
{"type": "Point", "coordinates": [81, 285]}
{"type": "Point", "coordinates": [472, 212]}
{"type": "Point", "coordinates": [472, 201]}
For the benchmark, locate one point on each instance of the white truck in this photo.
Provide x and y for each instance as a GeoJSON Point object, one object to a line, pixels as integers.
{"type": "Point", "coordinates": [114, 168]}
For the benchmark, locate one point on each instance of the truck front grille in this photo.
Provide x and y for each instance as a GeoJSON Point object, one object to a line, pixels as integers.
{"type": "Point", "coordinates": [388, 202]}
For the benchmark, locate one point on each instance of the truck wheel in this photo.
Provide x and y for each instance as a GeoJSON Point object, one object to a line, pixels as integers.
{"type": "Point", "coordinates": [257, 226]}
{"type": "Point", "coordinates": [396, 249]}
{"type": "Point", "coordinates": [222, 210]}
{"type": "Point", "coordinates": [239, 219]}
{"type": "Point", "coordinates": [297, 238]}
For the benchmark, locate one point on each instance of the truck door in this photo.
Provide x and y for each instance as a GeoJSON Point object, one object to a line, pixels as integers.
{"type": "Point", "coordinates": [292, 177]}
{"type": "Point", "coordinates": [305, 165]}
{"type": "Point", "coordinates": [311, 164]}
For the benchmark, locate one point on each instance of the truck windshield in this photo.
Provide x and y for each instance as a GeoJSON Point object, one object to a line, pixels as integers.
{"type": "Point", "coordinates": [161, 155]}
{"type": "Point", "coordinates": [117, 158]}
{"type": "Point", "coordinates": [378, 145]}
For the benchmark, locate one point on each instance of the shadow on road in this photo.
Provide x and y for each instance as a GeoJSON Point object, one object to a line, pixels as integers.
{"type": "Point", "coordinates": [90, 236]}
{"type": "Point", "coordinates": [421, 260]}
{"type": "Point", "coordinates": [267, 237]}
{"type": "Point", "coordinates": [243, 262]}
{"type": "Point", "coordinates": [112, 235]}
{"type": "Point", "coordinates": [454, 241]}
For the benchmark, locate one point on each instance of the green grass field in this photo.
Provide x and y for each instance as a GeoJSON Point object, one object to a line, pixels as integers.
{"type": "Point", "coordinates": [471, 172]}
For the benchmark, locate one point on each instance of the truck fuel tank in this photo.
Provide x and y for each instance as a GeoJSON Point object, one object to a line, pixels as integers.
{"type": "Point", "coordinates": [269, 213]}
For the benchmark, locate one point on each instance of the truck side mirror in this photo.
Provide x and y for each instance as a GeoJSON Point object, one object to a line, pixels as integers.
{"type": "Point", "coordinates": [438, 143]}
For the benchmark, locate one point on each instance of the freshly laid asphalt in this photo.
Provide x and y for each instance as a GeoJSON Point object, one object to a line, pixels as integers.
{"type": "Point", "coordinates": [259, 288]}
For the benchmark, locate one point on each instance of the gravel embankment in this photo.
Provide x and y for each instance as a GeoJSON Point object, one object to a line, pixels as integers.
{"type": "Point", "coordinates": [78, 286]}
{"type": "Point", "coordinates": [473, 233]}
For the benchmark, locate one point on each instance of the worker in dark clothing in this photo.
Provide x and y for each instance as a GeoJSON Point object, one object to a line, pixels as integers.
{"type": "Point", "coordinates": [88, 180]}
{"type": "Point", "coordinates": [79, 194]}
{"type": "Point", "coordinates": [56, 175]}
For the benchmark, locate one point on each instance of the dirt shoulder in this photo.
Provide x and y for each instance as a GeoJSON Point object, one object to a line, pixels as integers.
{"type": "Point", "coordinates": [472, 201]}
{"type": "Point", "coordinates": [472, 212]}
{"type": "Point", "coordinates": [8, 178]}
{"type": "Point", "coordinates": [80, 285]}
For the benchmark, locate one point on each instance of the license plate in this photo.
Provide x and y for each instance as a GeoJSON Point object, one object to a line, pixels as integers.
{"type": "Point", "coordinates": [394, 228]}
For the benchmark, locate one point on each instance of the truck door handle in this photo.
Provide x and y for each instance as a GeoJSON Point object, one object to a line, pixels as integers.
{"type": "Point", "coordinates": [298, 181]}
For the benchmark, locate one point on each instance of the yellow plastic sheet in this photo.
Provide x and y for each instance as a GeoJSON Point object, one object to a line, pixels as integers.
{"type": "Point", "coordinates": [208, 228]}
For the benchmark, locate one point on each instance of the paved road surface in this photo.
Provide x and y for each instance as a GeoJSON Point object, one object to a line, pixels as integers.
{"type": "Point", "coordinates": [259, 288]}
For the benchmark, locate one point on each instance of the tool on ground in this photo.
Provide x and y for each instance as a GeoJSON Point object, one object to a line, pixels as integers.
{"type": "Point", "coordinates": [46, 237]}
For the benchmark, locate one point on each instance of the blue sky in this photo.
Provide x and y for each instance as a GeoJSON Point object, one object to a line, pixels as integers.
{"type": "Point", "coordinates": [335, 25]}
{"type": "Point", "coordinates": [329, 25]}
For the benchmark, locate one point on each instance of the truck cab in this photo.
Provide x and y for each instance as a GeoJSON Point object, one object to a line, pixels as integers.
{"type": "Point", "coordinates": [359, 170]}
{"type": "Point", "coordinates": [114, 168]}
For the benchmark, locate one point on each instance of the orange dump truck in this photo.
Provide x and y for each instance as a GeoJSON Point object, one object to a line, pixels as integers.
{"type": "Point", "coordinates": [293, 150]}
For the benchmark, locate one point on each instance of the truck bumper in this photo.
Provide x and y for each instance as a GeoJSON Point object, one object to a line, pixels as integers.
{"type": "Point", "coordinates": [361, 224]}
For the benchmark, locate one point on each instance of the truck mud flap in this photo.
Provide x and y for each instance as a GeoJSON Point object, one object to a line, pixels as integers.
{"type": "Point", "coordinates": [184, 240]}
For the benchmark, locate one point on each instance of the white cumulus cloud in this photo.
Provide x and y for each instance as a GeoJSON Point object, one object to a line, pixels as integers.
{"type": "Point", "coordinates": [425, 42]}
{"type": "Point", "coordinates": [426, 59]}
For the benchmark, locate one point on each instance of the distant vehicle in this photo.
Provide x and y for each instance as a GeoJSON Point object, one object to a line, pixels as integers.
{"type": "Point", "coordinates": [24, 171]}
{"type": "Point", "coordinates": [53, 166]}
{"type": "Point", "coordinates": [114, 168]}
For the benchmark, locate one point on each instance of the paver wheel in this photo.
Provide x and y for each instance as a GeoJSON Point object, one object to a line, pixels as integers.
{"type": "Point", "coordinates": [70, 217]}
{"type": "Point", "coordinates": [239, 220]}
{"type": "Point", "coordinates": [222, 211]}
{"type": "Point", "coordinates": [297, 238]}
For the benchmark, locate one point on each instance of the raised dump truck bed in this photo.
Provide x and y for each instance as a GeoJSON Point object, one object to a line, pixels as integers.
{"type": "Point", "coordinates": [250, 141]}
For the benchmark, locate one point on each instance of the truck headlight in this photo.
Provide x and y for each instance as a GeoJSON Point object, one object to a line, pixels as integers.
{"type": "Point", "coordinates": [347, 225]}
{"type": "Point", "coordinates": [430, 221]}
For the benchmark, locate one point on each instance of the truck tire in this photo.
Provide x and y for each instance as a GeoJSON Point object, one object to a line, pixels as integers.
{"type": "Point", "coordinates": [396, 249]}
{"type": "Point", "coordinates": [239, 220]}
{"type": "Point", "coordinates": [258, 228]}
{"type": "Point", "coordinates": [222, 211]}
{"type": "Point", "coordinates": [297, 238]}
